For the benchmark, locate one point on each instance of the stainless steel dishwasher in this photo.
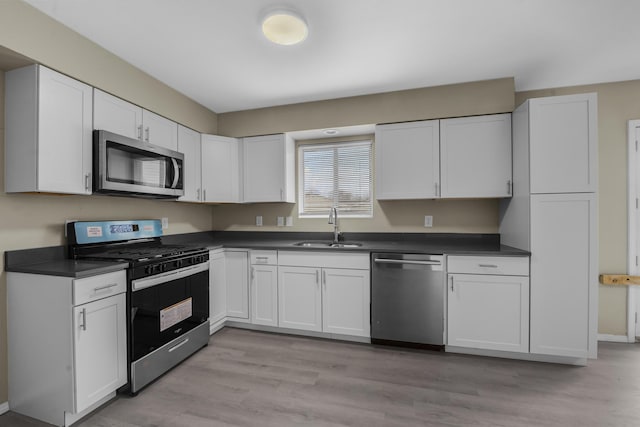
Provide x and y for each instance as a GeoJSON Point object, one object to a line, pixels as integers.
{"type": "Point", "coordinates": [407, 299]}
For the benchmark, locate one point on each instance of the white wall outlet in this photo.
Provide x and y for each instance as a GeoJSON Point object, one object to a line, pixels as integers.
{"type": "Point", "coordinates": [259, 220]}
{"type": "Point", "coordinates": [165, 223]}
{"type": "Point", "coordinates": [428, 221]}
{"type": "Point", "coordinates": [280, 221]}
{"type": "Point", "coordinates": [289, 221]}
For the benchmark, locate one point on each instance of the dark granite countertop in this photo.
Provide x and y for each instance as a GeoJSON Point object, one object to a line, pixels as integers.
{"type": "Point", "coordinates": [53, 261]}
{"type": "Point", "coordinates": [434, 243]}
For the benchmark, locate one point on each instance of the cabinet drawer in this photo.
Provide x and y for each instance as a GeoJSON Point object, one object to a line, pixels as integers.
{"type": "Point", "coordinates": [264, 257]}
{"type": "Point", "coordinates": [509, 266]}
{"type": "Point", "coordinates": [97, 287]}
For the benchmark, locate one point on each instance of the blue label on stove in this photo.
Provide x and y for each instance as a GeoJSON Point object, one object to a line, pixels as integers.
{"type": "Point", "coordinates": [111, 231]}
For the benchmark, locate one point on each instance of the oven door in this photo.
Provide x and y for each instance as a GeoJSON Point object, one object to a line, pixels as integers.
{"type": "Point", "coordinates": [167, 305]}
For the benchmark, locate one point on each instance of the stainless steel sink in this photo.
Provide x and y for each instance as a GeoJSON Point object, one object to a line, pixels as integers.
{"type": "Point", "coordinates": [328, 244]}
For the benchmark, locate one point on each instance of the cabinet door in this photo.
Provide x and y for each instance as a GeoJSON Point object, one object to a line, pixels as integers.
{"type": "Point", "coordinates": [563, 145]}
{"type": "Point", "coordinates": [564, 277]}
{"type": "Point", "coordinates": [159, 130]}
{"type": "Point", "coordinates": [237, 272]}
{"type": "Point", "coordinates": [116, 115]}
{"type": "Point", "coordinates": [220, 169]}
{"type": "Point", "coordinates": [64, 134]}
{"type": "Point", "coordinates": [268, 169]}
{"type": "Point", "coordinates": [217, 287]}
{"type": "Point", "coordinates": [475, 156]}
{"type": "Point", "coordinates": [488, 312]}
{"type": "Point", "coordinates": [299, 298]}
{"type": "Point", "coordinates": [100, 349]}
{"type": "Point", "coordinates": [346, 302]}
{"type": "Point", "coordinates": [264, 295]}
{"type": "Point", "coordinates": [408, 160]}
{"type": "Point", "coordinates": [189, 145]}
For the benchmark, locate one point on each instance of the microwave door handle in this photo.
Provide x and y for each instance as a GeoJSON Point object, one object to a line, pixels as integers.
{"type": "Point", "coordinates": [176, 173]}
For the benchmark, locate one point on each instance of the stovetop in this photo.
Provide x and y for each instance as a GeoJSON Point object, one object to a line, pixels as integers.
{"type": "Point", "coordinates": [138, 252]}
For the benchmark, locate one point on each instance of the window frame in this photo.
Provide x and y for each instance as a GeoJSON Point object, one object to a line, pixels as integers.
{"type": "Point", "coordinates": [332, 145]}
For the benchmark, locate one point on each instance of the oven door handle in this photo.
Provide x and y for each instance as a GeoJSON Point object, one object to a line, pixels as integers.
{"type": "Point", "coordinates": [158, 279]}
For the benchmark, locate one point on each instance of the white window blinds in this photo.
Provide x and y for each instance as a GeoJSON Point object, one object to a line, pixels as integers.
{"type": "Point", "coordinates": [335, 175]}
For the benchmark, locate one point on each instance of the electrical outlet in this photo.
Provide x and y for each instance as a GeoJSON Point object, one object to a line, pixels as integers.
{"type": "Point", "coordinates": [289, 221]}
{"type": "Point", "coordinates": [165, 223]}
{"type": "Point", "coordinates": [428, 221]}
{"type": "Point", "coordinates": [259, 220]}
{"type": "Point", "coordinates": [280, 221]}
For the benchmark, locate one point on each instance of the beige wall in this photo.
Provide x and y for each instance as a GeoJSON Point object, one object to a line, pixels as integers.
{"type": "Point", "coordinates": [31, 220]}
{"type": "Point", "coordinates": [617, 104]}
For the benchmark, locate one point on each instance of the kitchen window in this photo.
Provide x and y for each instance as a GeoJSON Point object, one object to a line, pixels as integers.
{"type": "Point", "coordinates": [335, 175]}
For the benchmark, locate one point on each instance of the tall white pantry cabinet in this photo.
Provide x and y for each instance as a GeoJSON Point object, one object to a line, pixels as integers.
{"type": "Point", "coordinates": [553, 214]}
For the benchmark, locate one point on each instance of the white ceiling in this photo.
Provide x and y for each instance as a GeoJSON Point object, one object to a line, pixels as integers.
{"type": "Point", "coordinates": [213, 50]}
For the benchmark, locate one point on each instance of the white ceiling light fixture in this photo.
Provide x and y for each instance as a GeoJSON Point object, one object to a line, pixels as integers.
{"type": "Point", "coordinates": [284, 27]}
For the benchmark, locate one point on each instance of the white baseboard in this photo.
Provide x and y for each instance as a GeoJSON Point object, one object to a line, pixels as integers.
{"type": "Point", "coordinates": [614, 338]}
{"type": "Point", "coordinates": [4, 407]}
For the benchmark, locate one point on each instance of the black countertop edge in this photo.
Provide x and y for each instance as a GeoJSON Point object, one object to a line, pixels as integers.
{"type": "Point", "coordinates": [53, 261]}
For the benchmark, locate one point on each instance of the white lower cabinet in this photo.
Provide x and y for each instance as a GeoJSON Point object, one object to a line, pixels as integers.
{"type": "Point", "coordinates": [237, 277]}
{"type": "Point", "coordinates": [346, 301]}
{"type": "Point", "coordinates": [67, 341]}
{"type": "Point", "coordinates": [316, 292]}
{"type": "Point", "coordinates": [217, 287]}
{"type": "Point", "coordinates": [299, 298]}
{"type": "Point", "coordinates": [264, 288]}
{"type": "Point", "coordinates": [485, 309]}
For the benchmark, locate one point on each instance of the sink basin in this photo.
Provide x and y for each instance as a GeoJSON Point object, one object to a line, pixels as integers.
{"type": "Point", "coordinates": [328, 244]}
{"type": "Point", "coordinates": [314, 244]}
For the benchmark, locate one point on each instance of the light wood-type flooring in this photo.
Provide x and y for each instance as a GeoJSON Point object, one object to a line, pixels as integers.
{"type": "Point", "coordinates": [247, 378]}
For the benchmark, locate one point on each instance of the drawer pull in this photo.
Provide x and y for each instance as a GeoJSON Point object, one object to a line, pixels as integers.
{"type": "Point", "coordinates": [488, 265]}
{"type": "Point", "coordinates": [83, 325]}
{"type": "Point", "coordinates": [102, 288]}
{"type": "Point", "coordinates": [177, 346]}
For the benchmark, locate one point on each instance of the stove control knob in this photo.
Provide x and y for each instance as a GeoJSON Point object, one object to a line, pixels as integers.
{"type": "Point", "coordinates": [148, 270]}
{"type": "Point", "coordinates": [165, 266]}
{"type": "Point", "coordinates": [179, 263]}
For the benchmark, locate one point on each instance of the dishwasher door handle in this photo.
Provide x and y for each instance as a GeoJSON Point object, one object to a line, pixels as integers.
{"type": "Point", "coordinates": [405, 261]}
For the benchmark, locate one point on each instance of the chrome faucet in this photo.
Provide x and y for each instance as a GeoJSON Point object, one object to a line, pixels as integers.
{"type": "Point", "coordinates": [333, 219]}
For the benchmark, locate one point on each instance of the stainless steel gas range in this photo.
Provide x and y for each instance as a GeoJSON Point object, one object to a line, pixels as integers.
{"type": "Point", "coordinates": [167, 292]}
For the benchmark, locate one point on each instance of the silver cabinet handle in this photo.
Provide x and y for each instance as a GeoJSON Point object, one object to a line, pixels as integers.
{"type": "Point", "coordinates": [102, 288]}
{"type": "Point", "coordinates": [451, 283]}
{"type": "Point", "coordinates": [83, 325]}
{"type": "Point", "coordinates": [262, 258]}
{"type": "Point", "coordinates": [87, 182]}
{"type": "Point", "coordinates": [146, 134]}
{"type": "Point", "coordinates": [140, 132]}
{"type": "Point", "coordinates": [509, 187]}
{"type": "Point", "coordinates": [324, 278]}
{"type": "Point", "coordinates": [436, 193]}
{"type": "Point", "coordinates": [253, 273]}
{"type": "Point", "coordinates": [198, 194]}
{"type": "Point", "coordinates": [204, 195]}
{"type": "Point", "coordinates": [318, 277]}
{"type": "Point", "coordinates": [488, 265]}
{"type": "Point", "coordinates": [281, 194]}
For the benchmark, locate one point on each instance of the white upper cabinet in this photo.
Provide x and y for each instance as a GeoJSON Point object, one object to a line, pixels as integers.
{"type": "Point", "coordinates": [408, 160]}
{"type": "Point", "coordinates": [269, 169]}
{"type": "Point", "coordinates": [159, 131]}
{"type": "Point", "coordinates": [220, 169]}
{"type": "Point", "coordinates": [48, 140]}
{"type": "Point", "coordinates": [116, 115]}
{"type": "Point", "coordinates": [563, 144]}
{"type": "Point", "coordinates": [475, 156]}
{"type": "Point", "coordinates": [119, 116]}
{"type": "Point", "coordinates": [189, 145]}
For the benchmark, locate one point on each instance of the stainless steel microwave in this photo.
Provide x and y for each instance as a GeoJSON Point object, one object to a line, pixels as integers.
{"type": "Point", "coordinates": [126, 166]}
